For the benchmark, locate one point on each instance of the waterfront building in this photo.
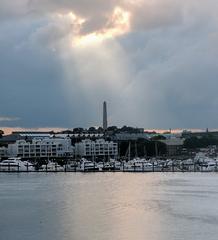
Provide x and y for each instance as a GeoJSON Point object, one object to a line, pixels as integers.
{"type": "Point", "coordinates": [174, 146]}
{"type": "Point", "coordinates": [8, 139]}
{"type": "Point", "coordinates": [125, 136]}
{"type": "Point", "coordinates": [3, 152]}
{"type": "Point", "coordinates": [80, 135]}
{"type": "Point", "coordinates": [41, 148]}
{"type": "Point", "coordinates": [98, 148]}
{"type": "Point", "coordinates": [33, 134]}
{"type": "Point", "coordinates": [24, 135]}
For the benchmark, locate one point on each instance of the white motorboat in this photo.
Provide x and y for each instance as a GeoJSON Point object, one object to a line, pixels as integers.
{"type": "Point", "coordinates": [87, 166]}
{"type": "Point", "coordinates": [106, 166]}
{"type": "Point", "coordinates": [51, 167]}
{"type": "Point", "coordinates": [188, 165]}
{"type": "Point", "coordinates": [139, 164]}
{"type": "Point", "coordinates": [15, 164]}
{"type": "Point", "coordinates": [72, 166]}
{"type": "Point", "coordinates": [115, 164]}
{"type": "Point", "coordinates": [208, 165]}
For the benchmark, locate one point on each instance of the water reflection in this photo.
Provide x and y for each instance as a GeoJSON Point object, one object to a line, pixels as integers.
{"type": "Point", "coordinates": [154, 206]}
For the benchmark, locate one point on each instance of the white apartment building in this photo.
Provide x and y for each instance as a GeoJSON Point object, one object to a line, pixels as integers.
{"type": "Point", "coordinates": [98, 148]}
{"type": "Point", "coordinates": [41, 148]}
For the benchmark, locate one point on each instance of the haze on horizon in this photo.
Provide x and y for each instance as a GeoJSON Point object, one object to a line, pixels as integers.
{"type": "Point", "coordinates": [154, 62]}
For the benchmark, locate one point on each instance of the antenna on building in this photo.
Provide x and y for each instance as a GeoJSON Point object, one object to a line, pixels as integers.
{"type": "Point", "coordinates": [104, 115]}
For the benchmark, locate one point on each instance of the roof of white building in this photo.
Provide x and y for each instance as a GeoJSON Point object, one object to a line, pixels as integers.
{"type": "Point", "coordinates": [173, 141]}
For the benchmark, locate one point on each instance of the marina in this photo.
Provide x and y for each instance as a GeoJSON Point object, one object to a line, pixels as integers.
{"type": "Point", "coordinates": [200, 163]}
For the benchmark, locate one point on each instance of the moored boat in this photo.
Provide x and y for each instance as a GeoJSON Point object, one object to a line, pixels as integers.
{"type": "Point", "coordinates": [16, 164]}
{"type": "Point", "coordinates": [88, 166]}
{"type": "Point", "coordinates": [52, 167]}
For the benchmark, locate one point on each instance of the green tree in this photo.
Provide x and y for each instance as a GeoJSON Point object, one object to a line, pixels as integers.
{"type": "Point", "coordinates": [92, 130]}
{"type": "Point", "coordinates": [1, 133]}
{"type": "Point", "coordinates": [197, 142]}
{"type": "Point", "coordinates": [158, 137]}
{"type": "Point", "coordinates": [112, 129]}
{"type": "Point", "coordinates": [78, 130]}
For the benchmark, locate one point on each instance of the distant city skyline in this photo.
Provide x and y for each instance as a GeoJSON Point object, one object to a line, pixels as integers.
{"type": "Point", "coordinates": [154, 62]}
{"type": "Point", "coordinates": [10, 130]}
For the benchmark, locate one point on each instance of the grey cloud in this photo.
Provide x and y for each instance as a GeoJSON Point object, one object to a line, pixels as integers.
{"type": "Point", "coordinates": [13, 9]}
{"type": "Point", "coordinates": [156, 14]}
{"type": "Point", "coordinates": [175, 79]}
{"type": "Point", "coordinates": [97, 12]}
{"type": "Point", "coordinates": [162, 74]}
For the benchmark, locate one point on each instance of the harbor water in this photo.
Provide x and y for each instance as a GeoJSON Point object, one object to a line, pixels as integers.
{"type": "Point", "coordinates": [108, 206]}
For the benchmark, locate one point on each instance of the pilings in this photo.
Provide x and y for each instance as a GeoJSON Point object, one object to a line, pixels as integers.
{"type": "Point", "coordinates": [123, 167]}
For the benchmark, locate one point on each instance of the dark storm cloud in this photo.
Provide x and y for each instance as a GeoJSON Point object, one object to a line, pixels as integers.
{"type": "Point", "coordinates": [161, 74]}
{"type": "Point", "coordinates": [30, 81]}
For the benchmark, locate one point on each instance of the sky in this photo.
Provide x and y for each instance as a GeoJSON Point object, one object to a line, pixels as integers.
{"type": "Point", "coordinates": [153, 61]}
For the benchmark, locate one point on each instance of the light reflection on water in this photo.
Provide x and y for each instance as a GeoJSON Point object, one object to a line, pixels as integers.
{"type": "Point", "coordinates": [106, 206]}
